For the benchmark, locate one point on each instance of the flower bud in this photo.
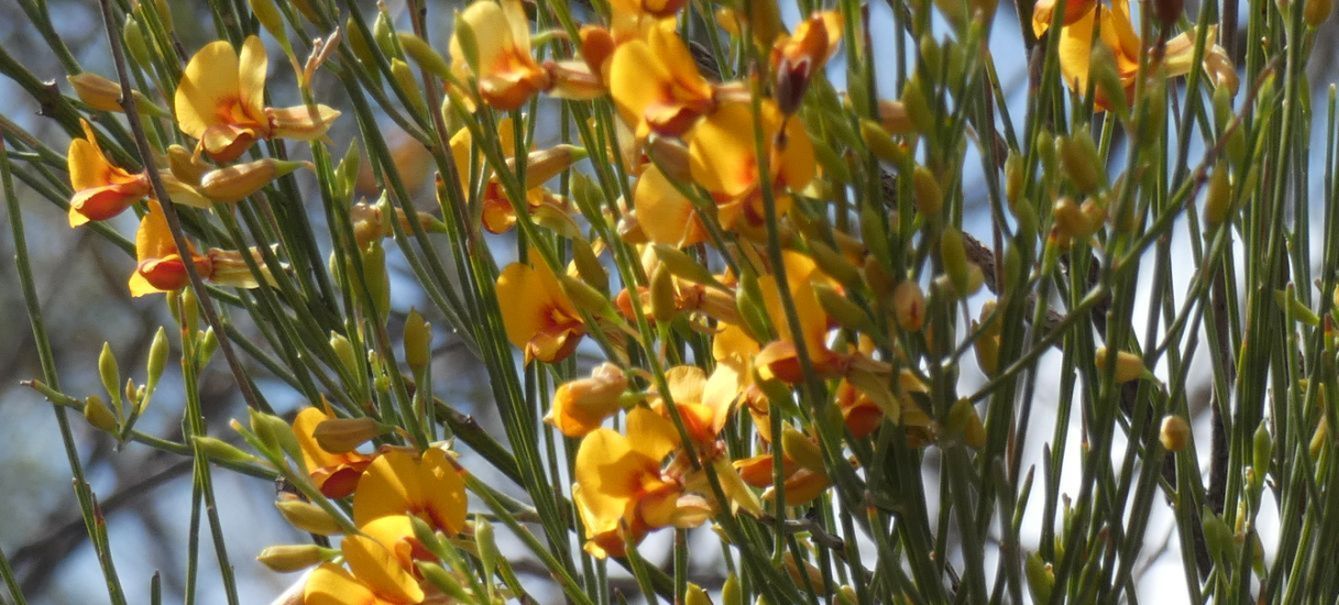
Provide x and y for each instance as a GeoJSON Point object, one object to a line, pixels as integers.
{"type": "Point", "coordinates": [588, 265]}
{"type": "Point", "coordinates": [685, 267]}
{"type": "Point", "coordinates": [269, 17]}
{"type": "Point", "coordinates": [694, 595]}
{"type": "Point", "coordinates": [96, 91]}
{"type": "Point", "coordinates": [209, 342]}
{"type": "Point", "coordinates": [110, 372]}
{"type": "Point", "coordinates": [1317, 12]}
{"type": "Point", "coordinates": [1014, 175]}
{"type": "Point", "coordinates": [1128, 365]}
{"type": "Point", "coordinates": [1175, 433]}
{"type": "Point", "coordinates": [340, 435]}
{"type": "Point", "coordinates": [443, 580]}
{"type": "Point", "coordinates": [1217, 536]}
{"type": "Point", "coordinates": [579, 406]}
{"type": "Point", "coordinates": [954, 255]}
{"type": "Point", "coordinates": [376, 280]}
{"type": "Point", "coordinates": [1262, 451]}
{"type": "Point", "coordinates": [417, 341]}
{"type": "Point", "coordinates": [583, 295]}
{"type": "Point", "coordinates": [848, 314]}
{"type": "Point", "coordinates": [1078, 222]}
{"type": "Point", "coordinates": [404, 79]}
{"type": "Point", "coordinates": [882, 145]}
{"type": "Point", "coordinates": [663, 307]}
{"type": "Point", "coordinates": [918, 107]}
{"type": "Point", "coordinates": [486, 543]}
{"type": "Point", "coordinates": [99, 415]}
{"type": "Point", "coordinates": [1110, 90]}
{"type": "Point", "coordinates": [289, 558]}
{"type": "Point", "coordinates": [308, 517]}
{"type": "Point", "coordinates": [218, 450]}
{"type": "Point", "coordinates": [833, 263]}
{"type": "Point", "coordinates": [929, 196]}
{"type": "Point", "coordinates": [1218, 199]}
{"type": "Point", "coordinates": [893, 117]}
{"type": "Point", "coordinates": [424, 54]}
{"type": "Point", "coordinates": [909, 306]}
{"type": "Point", "coordinates": [136, 47]}
{"type": "Point", "coordinates": [1083, 164]}
{"type": "Point", "coordinates": [186, 166]}
{"type": "Point", "coordinates": [731, 594]}
{"type": "Point", "coordinates": [274, 433]}
{"type": "Point", "coordinates": [236, 182]}
{"type": "Point", "coordinates": [157, 356]}
{"type": "Point", "coordinates": [344, 352]}
{"type": "Point", "coordinates": [987, 348]}
{"type": "Point", "coordinates": [1319, 438]}
{"type": "Point", "coordinates": [1040, 578]}
{"type": "Point", "coordinates": [964, 422]}
{"type": "Point", "coordinates": [801, 449]}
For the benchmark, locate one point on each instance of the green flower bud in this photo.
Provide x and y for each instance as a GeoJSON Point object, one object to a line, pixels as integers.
{"type": "Point", "coordinates": [110, 372]}
{"type": "Point", "coordinates": [417, 341]}
{"type": "Point", "coordinates": [1014, 175]}
{"type": "Point", "coordinates": [404, 79]}
{"type": "Point", "coordinates": [583, 295]}
{"type": "Point", "coordinates": [424, 54]}
{"type": "Point", "coordinates": [840, 308]}
{"type": "Point", "coordinates": [929, 196]}
{"type": "Point", "coordinates": [209, 342]}
{"type": "Point", "coordinates": [308, 517]}
{"type": "Point", "coordinates": [99, 415]}
{"type": "Point", "coordinates": [694, 595]}
{"type": "Point", "coordinates": [1040, 578]}
{"type": "Point", "coordinates": [274, 433]}
{"type": "Point", "coordinates": [834, 263]}
{"type": "Point", "coordinates": [916, 102]}
{"type": "Point", "coordinates": [954, 256]}
{"type": "Point", "coordinates": [882, 145]}
{"type": "Point", "coordinates": [1218, 199]}
{"type": "Point", "coordinates": [287, 558]}
{"type": "Point", "coordinates": [1083, 164]}
{"type": "Point", "coordinates": [157, 356]}
{"type": "Point", "coordinates": [685, 267]}
{"type": "Point", "coordinates": [444, 581]}
{"type": "Point", "coordinates": [269, 17]}
{"type": "Point", "coordinates": [964, 422]}
{"type": "Point", "coordinates": [662, 296]}
{"type": "Point", "coordinates": [588, 265]}
{"type": "Point", "coordinates": [219, 450]}
{"type": "Point", "coordinates": [1262, 451]}
{"type": "Point", "coordinates": [344, 352]}
{"type": "Point", "coordinates": [486, 542]}
{"type": "Point", "coordinates": [136, 46]}
{"type": "Point", "coordinates": [731, 594]}
{"type": "Point", "coordinates": [340, 435]}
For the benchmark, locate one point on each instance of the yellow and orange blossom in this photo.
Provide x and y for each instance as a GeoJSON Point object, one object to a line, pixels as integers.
{"type": "Point", "coordinates": [538, 316]}
{"type": "Point", "coordinates": [161, 267]}
{"type": "Point", "coordinates": [580, 406]}
{"type": "Point", "coordinates": [220, 101]}
{"type": "Point", "coordinates": [335, 474]}
{"type": "Point", "coordinates": [508, 74]}
{"type": "Point", "coordinates": [398, 482]}
{"type": "Point", "coordinates": [656, 86]}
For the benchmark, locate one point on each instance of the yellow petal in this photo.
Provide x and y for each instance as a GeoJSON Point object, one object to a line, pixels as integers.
{"type": "Point", "coordinates": [251, 71]}
{"type": "Point", "coordinates": [398, 483]}
{"type": "Point", "coordinates": [378, 569]}
{"type": "Point", "coordinates": [520, 294]}
{"type": "Point", "coordinates": [722, 151]}
{"type": "Point", "coordinates": [635, 75]}
{"type": "Point", "coordinates": [651, 435]}
{"type": "Point", "coordinates": [686, 383]}
{"type": "Point", "coordinates": [209, 81]}
{"type": "Point", "coordinates": [665, 215]}
{"type": "Point", "coordinates": [720, 393]}
{"type": "Point", "coordinates": [608, 474]}
{"type": "Point", "coordinates": [331, 584]}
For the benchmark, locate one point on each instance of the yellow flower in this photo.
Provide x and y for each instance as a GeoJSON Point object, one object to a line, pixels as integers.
{"type": "Point", "coordinates": [780, 358]}
{"type": "Point", "coordinates": [430, 487]}
{"type": "Point", "coordinates": [538, 316]}
{"type": "Point", "coordinates": [796, 57]}
{"type": "Point", "coordinates": [101, 189]}
{"type": "Point", "coordinates": [1118, 35]}
{"type": "Point", "coordinates": [664, 214]}
{"type": "Point", "coordinates": [335, 474]}
{"type": "Point", "coordinates": [508, 74]}
{"type": "Point", "coordinates": [703, 403]}
{"type": "Point", "coordinates": [656, 85]}
{"type": "Point", "coordinates": [1044, 10]}
{"type": "Point", "coordinates": [161, 267]}
{"type": "Point", "coordinates": [331, 584]}
{"type": "Point", "coordinates": [619, 483]}
{"type": "Point", "coordinates": [579, 406]}
{"type": "Point", "coordinates": [724, 162]}
{"type": "Point", "coordinates": [220, 101]}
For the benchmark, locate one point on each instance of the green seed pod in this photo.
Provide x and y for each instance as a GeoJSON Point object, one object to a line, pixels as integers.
{"type": "Point", "coordinates": [308, 517]}
{"type": "Point", "coordinates": [417, 341]}
{"type": "Point", "coordinates": [1218, 199]}
{"type": "Point", "coordinates": [99, 415]}
{"type": "Point", "coordinates": [929, 196]}
{"type": "Point", "coordinates": [110, 373]}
